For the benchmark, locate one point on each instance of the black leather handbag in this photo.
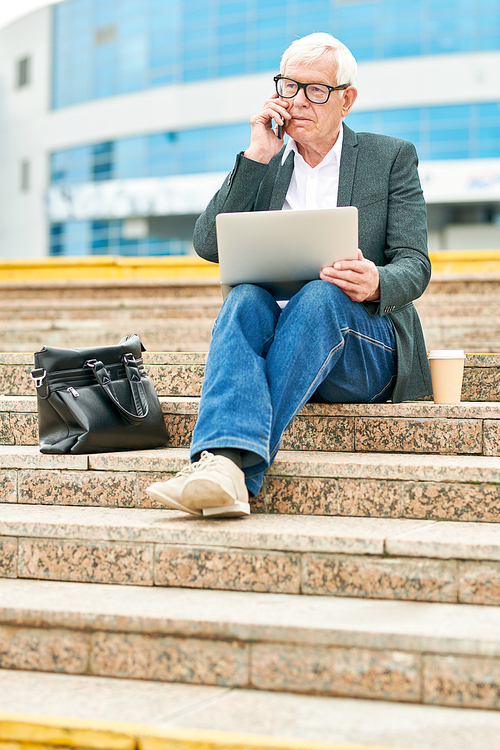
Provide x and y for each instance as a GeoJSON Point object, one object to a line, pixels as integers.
{"type": "Point", "coordinates": [96, 400]}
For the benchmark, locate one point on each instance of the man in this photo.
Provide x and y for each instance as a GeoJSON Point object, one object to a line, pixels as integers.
{"type": "Point", "coordinates": [353, 335]}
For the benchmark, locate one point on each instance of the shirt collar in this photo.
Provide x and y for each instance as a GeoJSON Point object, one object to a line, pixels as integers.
{"type": "Point", "coordinates": [336, 149]}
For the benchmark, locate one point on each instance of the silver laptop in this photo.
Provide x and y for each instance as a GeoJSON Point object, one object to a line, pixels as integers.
{"type": "Point", "coordinates": [283, 250]}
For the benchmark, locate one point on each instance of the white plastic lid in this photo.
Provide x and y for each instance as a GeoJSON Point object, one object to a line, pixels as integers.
{"type": "Point", "coordinates": [446, 354]}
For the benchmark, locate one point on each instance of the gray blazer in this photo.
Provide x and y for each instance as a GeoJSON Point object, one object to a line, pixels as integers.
{"type": "Point", "coordinates": [379, 176]}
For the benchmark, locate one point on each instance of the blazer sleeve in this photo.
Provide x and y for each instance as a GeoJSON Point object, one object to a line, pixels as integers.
{"type": "Point", "coordinates": [407, 269]}
{"type": "Point", "coordinates": [238, 193]}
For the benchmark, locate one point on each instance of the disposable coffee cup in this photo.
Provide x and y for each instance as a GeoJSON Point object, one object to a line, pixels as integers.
{"type": "Point", "coordinates": [447, 371]}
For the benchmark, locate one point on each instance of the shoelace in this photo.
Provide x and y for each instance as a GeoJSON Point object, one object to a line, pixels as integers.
{"type": "Point", "coordinates": [205, 460]}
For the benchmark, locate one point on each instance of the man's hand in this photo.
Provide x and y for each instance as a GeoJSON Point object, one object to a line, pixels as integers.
{"type": "Point", "coordinates": [264, 143]}
{"type": "Point", "coordinates": [359, 278]}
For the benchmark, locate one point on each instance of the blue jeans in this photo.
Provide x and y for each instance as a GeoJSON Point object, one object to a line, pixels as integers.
{"type": "Point", "coordinates": [265, 363]}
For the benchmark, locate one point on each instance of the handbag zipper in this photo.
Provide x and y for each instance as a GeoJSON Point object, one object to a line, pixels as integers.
{"type": "Point", "coordinates": [73, 392]}
{"type": "Point", "coordinates": [82, 377]}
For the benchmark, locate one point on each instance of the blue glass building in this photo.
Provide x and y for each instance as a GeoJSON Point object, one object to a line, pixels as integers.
{"type": "Point", "coordinates": [126, 76]}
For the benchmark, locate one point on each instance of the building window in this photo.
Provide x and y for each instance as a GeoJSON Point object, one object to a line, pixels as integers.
{"type": "Point", "coordinates": [23, 72]}
{"type": "Point", "coordinates": [25, 176]}
{"type": "Point", "coordinates": [57, 245]}
{"type": "Point", "coordinates": [102, 161]}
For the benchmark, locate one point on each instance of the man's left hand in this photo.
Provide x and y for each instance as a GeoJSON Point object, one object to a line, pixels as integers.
{"type": "Point", "coordinates": [359, 278]}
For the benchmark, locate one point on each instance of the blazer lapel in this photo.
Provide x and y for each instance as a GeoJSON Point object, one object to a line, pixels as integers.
{"type": "Point", "coordinates": [347, 166]}
{"type": "Point", "coordinates": [281, 183]}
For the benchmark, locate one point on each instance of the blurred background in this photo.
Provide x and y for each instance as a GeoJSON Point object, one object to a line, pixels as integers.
{"type": "Point", "coordinates": [120, 118]}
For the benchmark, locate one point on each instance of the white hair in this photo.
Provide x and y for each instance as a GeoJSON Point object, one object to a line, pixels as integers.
{"type": "Point", "coordinates": [310, 48]}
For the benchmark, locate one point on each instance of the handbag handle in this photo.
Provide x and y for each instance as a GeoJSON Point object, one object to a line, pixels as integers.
{"type": "Point", "coordinates": [136, 387]}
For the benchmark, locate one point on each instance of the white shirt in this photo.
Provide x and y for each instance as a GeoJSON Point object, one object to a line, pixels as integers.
{"type": "Point", "coordinates": [313, 187]}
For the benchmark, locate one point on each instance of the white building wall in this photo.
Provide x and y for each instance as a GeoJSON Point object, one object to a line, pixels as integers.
{"type": "Point", "coordinates": [23, 137]}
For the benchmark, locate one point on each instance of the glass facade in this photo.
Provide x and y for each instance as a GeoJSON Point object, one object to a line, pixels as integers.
{"type": "Point", "coordinates": [103, 48]}
{"type": "Point", "coordinates": [108, 237]}
{"type": "Point", "coordinates": [107, 47]}
{"type": "Point", "coordinates": [465, 131]}
{"type": "Point", "coordinates": [468, 131]}
{"type": "Point", "coordinates": [452, 132]}
{"type": "Point", "coordinates": [210, 149]}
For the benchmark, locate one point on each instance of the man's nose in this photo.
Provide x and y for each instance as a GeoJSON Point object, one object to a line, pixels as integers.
{"type": "Point", "coordinates": [300, 98]}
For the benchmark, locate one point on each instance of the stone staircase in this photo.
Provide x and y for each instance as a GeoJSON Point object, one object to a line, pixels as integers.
{"type": "Point", "coordinates": [456, 312]}
{"type": "Point", "coordinates": [461, 312]}
{"type": "Point", "coordinates": [369, 568]}
{"type": "Point", "coordinates": [171, 316]}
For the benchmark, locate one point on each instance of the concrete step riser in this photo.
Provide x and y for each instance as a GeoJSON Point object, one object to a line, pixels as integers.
{"type": "Point", "coordinates": [333, 660]}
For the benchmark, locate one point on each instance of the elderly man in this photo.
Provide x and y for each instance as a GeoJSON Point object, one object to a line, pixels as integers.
{"type": "Point", "coordinates": [353, 335]}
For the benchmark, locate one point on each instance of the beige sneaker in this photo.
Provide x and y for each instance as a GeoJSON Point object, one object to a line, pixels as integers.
{"type": "Point", "coordinates": [170, 493]}
{"type": "Point", "coordinates": [216, 487]}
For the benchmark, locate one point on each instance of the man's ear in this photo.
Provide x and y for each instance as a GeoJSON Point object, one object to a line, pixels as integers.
{"type": "Point", "coordinates": [350, 96]}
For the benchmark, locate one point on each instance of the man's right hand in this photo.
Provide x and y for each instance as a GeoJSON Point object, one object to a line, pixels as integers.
{"type": "Point", "coordinates": [264, 143]}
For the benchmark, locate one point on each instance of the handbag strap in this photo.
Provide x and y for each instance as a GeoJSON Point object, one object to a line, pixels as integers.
{"type": "Point", "coordinates": [136, 387]}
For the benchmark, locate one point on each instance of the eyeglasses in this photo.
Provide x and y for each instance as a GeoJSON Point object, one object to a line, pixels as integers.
{"type": "Point", "coordinates": [317, 93]}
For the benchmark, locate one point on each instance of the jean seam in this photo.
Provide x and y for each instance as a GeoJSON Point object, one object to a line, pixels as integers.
{"type": "Point", "coordinates": [310, 389]}
{"type": "Point", "coordinates": [370, 340]}
{"type": "Point", "coordinates": [377, 395]}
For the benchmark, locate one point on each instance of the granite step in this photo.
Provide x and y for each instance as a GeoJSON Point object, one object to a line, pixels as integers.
{"type": "Point", "coordinates": [181, 374]}
{"type": "Point", "coordinates": [174, 334]}
{"type": "Point", "coordinates": [465, 306]}
{"type": "Point", "coordinates": [454, 285]}
{"type": "Point", "coordinates": [445, 332]}
{"type": "Point", "coordinates": [383, 485]}
{"type": "Point", "coordinates": [410, 427]}
{"type": "Point", "coordinates": [136, 290]}
{"type": "Point", "coordinates": [373, 558]}
{"type": "Point", "coordinates": [414, 652]}
{"type": "Point", "coordinates": [306, 718]}
{"type": "Point", "coordinates": [124, 310]}
{"type": "Point", "coordinates": [450, 310]}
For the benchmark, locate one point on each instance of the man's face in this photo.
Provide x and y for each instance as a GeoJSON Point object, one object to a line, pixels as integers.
{"type": "Point", "coordinates": [317, 126]}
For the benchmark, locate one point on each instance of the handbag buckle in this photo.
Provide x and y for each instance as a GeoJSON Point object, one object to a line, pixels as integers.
{"type": "Point", "coordinates": [38, 376]}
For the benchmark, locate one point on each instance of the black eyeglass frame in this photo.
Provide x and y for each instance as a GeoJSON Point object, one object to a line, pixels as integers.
{"type": "Point", "coordinates": [305, 85]}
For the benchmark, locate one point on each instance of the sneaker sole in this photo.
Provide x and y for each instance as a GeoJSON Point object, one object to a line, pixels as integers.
{"type": "Point", "coordinates": [164, 500]}
{"type": "Point", "coordinates": [213, 499]}
{"type": "Point", "coordinates": [228, 511]}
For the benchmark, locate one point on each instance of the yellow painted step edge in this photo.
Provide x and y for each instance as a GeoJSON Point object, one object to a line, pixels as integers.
{"type": "Point", "coordinates": [111, 267]}
{"type": "Point", "coordinates": [107, 268]}
{"type": "Point", "coordinates": [473, 262]}
{"type": "Point", "coordinates": [27, 732]}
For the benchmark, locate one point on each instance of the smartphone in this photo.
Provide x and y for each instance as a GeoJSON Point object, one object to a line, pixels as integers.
{"type": "Point", "coordinates": [280, 131]}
